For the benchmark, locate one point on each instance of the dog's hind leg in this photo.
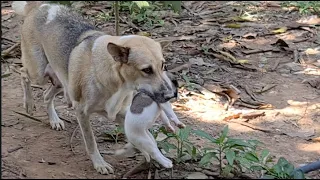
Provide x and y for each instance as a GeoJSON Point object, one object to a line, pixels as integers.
{"type": "Point", "coordinates": [34, 63]}
{"type": "Point", "coordinates": [49, 95]}
{"type": "Point", "coordinates": [92, 149]}
{"type": "Point", "coordinates": [28, 102]}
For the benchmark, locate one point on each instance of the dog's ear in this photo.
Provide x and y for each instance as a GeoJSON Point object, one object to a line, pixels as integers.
{"type": "Point", "coordinates": [118, 53]}
{"type": "Point", "coordinates": [164, 44]}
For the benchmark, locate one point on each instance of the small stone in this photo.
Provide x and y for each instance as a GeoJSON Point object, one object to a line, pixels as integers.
{"type": "Point", "coordinates": [186, 157]}
{"type": "Point", "coordinates": [198, 169]}
{"type": "Point", "coordinates": [284, 71]}
{"type": "Point", "coordinates": [210, 173]}
{"type": "Point", "coordinates": [197, 175]}
{"type": "Point", "coordinates": [294, 67]}
{"type": "Point", "coordinates": [161, 137]}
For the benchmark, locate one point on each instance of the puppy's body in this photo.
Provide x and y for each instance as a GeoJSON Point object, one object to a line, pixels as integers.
{"type": "Point", "coordinates": [90, 65]}
{"type": "Point", "coordinates": [141, 115]}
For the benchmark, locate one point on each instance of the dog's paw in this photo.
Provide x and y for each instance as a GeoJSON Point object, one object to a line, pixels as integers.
{"type": "Point", "coordinates": [57, 125]}
{"type": "Point", "coordinates": [104, 168]}
{"type": "Point", "coordinates": [29, 107]}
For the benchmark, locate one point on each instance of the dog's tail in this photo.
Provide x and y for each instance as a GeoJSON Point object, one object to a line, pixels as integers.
{"type": "Point", "coordinates": [23, 7]}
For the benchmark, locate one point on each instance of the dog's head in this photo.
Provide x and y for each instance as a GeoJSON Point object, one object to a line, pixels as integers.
{"type": "Point", "coordinates": [142, 64]}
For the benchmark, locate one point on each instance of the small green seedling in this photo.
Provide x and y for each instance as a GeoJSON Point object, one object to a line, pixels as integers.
{"type": "Point", "coordinates": [116, 133]}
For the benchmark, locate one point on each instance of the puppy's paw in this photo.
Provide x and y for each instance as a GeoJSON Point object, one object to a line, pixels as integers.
{"type": "Point", "coordinates": [103, 168]}
{"type": "Point", "coordinates": [57, 125]}
{"type": "Point", "coordinates": [167, 164]}
{"type": "Point", "coordinates": [170, 129]}
{"type": "Point", "coordinates": [181, 125]}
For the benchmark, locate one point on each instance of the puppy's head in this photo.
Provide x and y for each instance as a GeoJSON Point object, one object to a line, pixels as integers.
{"type": "Point", "coordinates": [173, 83]}
{"type": "Point", "coordinates": [142, 64]}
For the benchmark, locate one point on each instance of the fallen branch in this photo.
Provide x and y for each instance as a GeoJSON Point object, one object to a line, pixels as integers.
{"type": "Point", "coordinates": [266, 88]}
{"type": "Point", "coordinates": [28, 116]}
{"type": "Point", "coordinates": [254, 127]}
{"type": "Point", "coordinates": [14, 149]}
{"type": "Point", "coordinates": [6, 75]}
{"type": "Point", "coordinates": [36, 86]}
{"type": "Point", "coordinates": [67, 120]}
{"type": "Point", "coordinates": [255, 51]}
{"type": "Point", "coordinates": [7, 51]}
{"type": "Point", "coordinates": [295, 56]}
{"type": "Point", "coordinates": [179, 68]}
{"type": "Point", "coordinates": [73, 133]}
{"type": "Point", "coordinates": [156, 174]}
{"type": "Point", "coordinates": [276, 64]}
{"type": "Point", "coordinates": [253, 97]}
{"type": "Point", "coordinates": [245, 117]}
{"type": "Point", "coordinates": [138, 168]}
{"type": "Point", "coordinates": [130, 24]}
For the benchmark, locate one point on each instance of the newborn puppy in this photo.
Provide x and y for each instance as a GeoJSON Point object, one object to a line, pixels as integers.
{"type": "Point", "coordinates": [141, 115]}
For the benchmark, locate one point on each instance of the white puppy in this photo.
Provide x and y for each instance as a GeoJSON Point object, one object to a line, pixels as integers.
{"type": "Point", "coordinates": [141, 115]}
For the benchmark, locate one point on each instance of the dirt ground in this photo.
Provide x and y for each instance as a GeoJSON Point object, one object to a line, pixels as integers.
{"type": "Point", "coordinates": [30, 149]}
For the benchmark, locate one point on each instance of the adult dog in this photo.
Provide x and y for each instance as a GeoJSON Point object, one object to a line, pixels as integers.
{"type": "Point", "coordinates": [90, 65]}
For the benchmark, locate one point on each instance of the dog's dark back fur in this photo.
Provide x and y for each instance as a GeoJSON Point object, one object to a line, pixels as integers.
{"type": "Point", "coordinates": [71, 23]}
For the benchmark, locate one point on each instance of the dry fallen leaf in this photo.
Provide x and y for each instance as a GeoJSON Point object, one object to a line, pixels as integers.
{"type": "Point", "coordinates": [233, 116]}
{"type": "Point", "coordinates": [252, 115]}
{"type": "Point", "coordinates": [250, 35]}
{"type": "Point", "coordinates": [142, 33]}
{"type": "Point", "coordinates": [232, 25]}
{"type": "Point", "coordinates": [311, 20]}
{"type": "Point", "coordinates": [280, 30]}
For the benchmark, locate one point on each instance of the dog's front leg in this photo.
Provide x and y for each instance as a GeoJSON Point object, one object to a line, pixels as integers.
{"type": "Point", "coordinates": [92, 149]}
{"type": "Point", "coordinates": [115, 103]}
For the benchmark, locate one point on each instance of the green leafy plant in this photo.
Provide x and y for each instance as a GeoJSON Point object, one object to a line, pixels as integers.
{"type": "Point", "coordinates": [241, 156]}
{"type": "Point", "coordinates": [183, 145]}
{"type": "Point", "coordinates": [116, 133]}
{"type": "Point", "coordinates": [103, 16]}
{"type": "Point", "coordinates": [281, 170]}
{"type": "Point", "coordinates": [234, 151]}
{"type": "Point", "coordinates": [304, 7]}
{"type": "Point", "coordinates": [142, 12]}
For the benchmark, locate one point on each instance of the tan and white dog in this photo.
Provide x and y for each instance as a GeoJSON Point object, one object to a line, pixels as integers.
{"type": "Point", "coordinates": [141, 115]}
{"type": "Point", "coordinates": [90, 65]}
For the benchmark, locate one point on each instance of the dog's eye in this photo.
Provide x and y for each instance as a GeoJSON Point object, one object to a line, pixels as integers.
{"type": "Point", "coordinates": [147, 70]}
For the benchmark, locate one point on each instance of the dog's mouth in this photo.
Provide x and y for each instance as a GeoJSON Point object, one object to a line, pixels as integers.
{"type": "Point", "coordinates": [159, 97]}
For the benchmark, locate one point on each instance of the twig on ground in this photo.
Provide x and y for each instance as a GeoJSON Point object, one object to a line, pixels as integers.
{"type": "Point", "coordinates": [253, 97]}
{"type": "Point", "coordinates": [295, 56]}
{"type": "Point", "coordinates": [28, 116]}
{"type": "Point", "coordinates": [116, 12]}
{"type": "Point", "coordinates": [138, 168]}
{"type": "Point", "coordinates": [36, 86]}
{"type": "Point", "coordinates": [14, 149]}
{"type": "Point", "coordinates": [7, 51]}
{"type": "Point", "coordinates": [130, 24]}
{"type": "Point", "coordinates": [179, 68]}
{"type": "Point", "coordinates": [67, 120]}
{"type": "Point", "coordinates": [73, 133]}
{"type": "Point", "coordinates": [276, 64]}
